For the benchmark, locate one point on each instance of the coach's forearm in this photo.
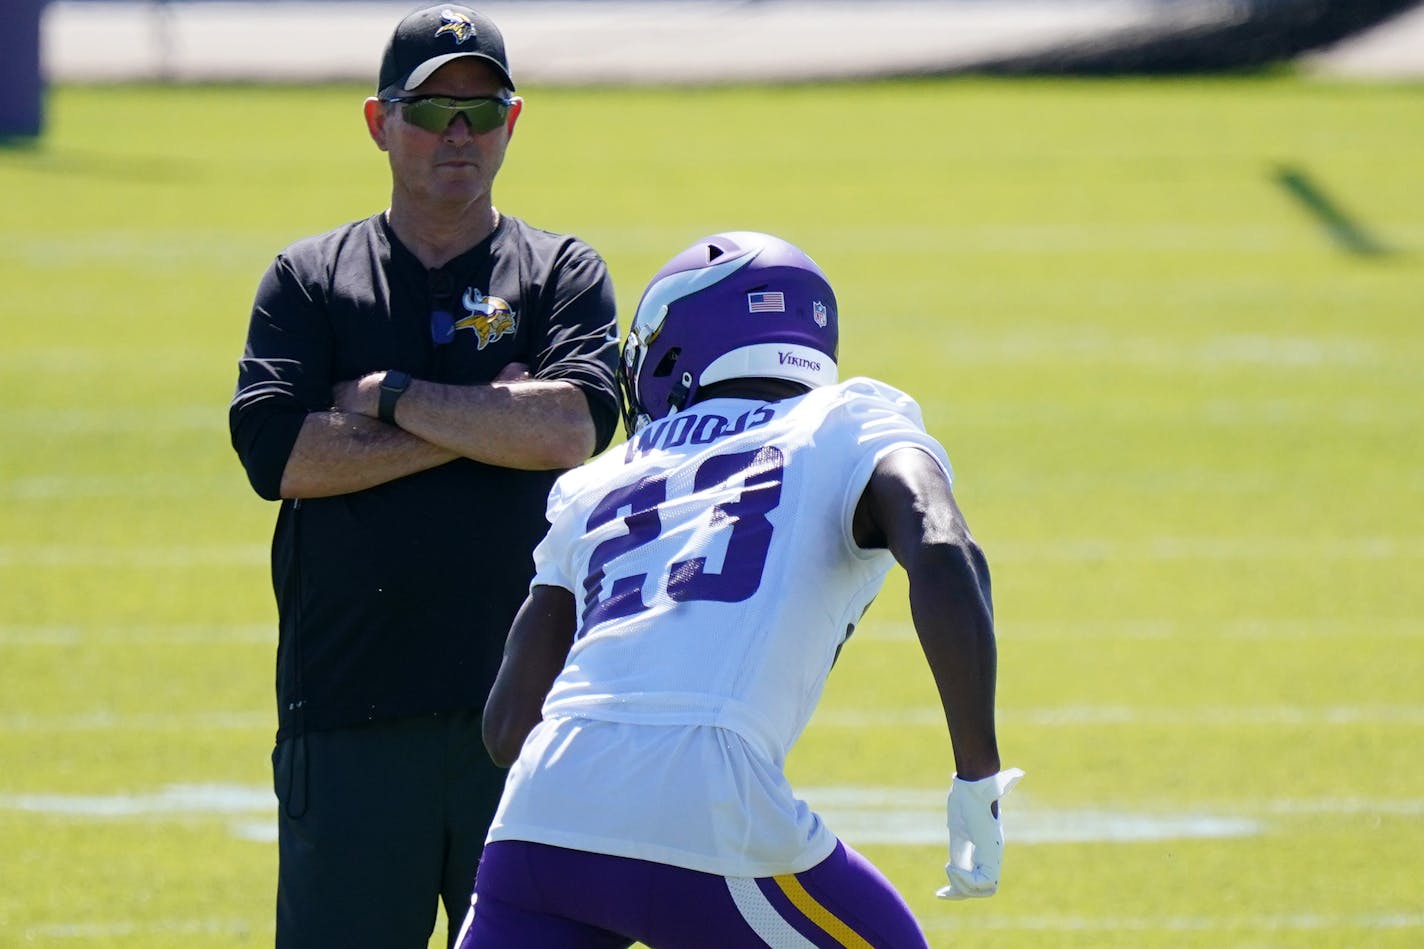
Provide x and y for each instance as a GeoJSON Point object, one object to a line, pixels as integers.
{"type": "Point", "coordinates": [340, 452]}
{"type": "Point", "coordinates": [532, 425]}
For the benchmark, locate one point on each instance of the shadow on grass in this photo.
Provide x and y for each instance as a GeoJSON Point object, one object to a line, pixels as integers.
{"type": "Point", "coordinates": [1343, 230]}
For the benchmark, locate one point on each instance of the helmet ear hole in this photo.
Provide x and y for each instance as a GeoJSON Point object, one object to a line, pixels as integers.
{"type": "Point", "coordinates": [664, 368]}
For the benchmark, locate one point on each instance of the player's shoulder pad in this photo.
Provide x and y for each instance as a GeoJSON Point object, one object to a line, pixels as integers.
{"type": "Point", "coordinates": [877, 417]}
{"type": "Point", "coordinates": [862, 397]}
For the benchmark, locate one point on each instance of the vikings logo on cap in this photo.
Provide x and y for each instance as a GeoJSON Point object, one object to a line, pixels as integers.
{"type": "Point", "coordinates": [457, 25]}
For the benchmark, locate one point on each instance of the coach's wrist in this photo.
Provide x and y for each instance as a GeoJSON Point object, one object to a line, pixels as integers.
{"type": "Point", "coordinates": [393, 385]}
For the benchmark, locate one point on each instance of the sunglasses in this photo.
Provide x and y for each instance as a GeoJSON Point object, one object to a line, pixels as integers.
{"type": "Point", "coordinates": [435, 113]}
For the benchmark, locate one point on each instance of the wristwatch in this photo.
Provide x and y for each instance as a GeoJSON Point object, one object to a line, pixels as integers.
{"type": "Point", "coordinates": [393, 386]}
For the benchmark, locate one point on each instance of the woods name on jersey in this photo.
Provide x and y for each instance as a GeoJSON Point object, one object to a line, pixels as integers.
{"type": "Point", "coordinates": [696, 428]}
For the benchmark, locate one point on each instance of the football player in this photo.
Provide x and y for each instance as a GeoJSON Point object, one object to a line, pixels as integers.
{"type": "Point", "coordinates": [694, 589]}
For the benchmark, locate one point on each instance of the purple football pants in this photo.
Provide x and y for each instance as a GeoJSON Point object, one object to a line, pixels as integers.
{"type": "Point", "coordinates": [531, 895]}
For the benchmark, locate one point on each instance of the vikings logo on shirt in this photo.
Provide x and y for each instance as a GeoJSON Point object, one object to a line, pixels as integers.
{"type": "Point", "coordinates": [489, 317]}
{"type": "Point", "coordinates": [457, 25]}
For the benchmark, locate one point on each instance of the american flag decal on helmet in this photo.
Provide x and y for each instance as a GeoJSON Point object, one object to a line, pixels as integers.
{"type": "Point", "coordinates": [767, 301]}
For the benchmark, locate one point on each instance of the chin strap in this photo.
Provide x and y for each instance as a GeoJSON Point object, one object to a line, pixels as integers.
{"type": "Point", "coordinates": [677, 398]}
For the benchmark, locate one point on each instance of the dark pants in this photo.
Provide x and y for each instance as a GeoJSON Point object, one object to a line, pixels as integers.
{"type": "Point", "coordinates": [375, 822]}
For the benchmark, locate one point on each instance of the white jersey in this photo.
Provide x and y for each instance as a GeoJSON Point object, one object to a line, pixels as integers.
{"type": "Point", "coordinates": [716, 577]}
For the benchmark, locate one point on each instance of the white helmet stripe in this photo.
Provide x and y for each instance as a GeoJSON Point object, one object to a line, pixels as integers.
{"type": "Point", "coordinates": [667, 291]}
{"type": "Point", "coordinates": [772, 361]}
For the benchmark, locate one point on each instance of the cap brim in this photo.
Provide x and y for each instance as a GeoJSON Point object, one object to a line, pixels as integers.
{"type": "Point", "coordinates": [427, 69]}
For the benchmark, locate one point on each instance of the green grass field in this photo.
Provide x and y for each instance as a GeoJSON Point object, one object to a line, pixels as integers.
{"type": "Point", "coordinates": [1170, 333]}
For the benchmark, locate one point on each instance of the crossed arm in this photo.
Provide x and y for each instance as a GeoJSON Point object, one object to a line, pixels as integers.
{"type": "Point", "coordinates": [512, 422]}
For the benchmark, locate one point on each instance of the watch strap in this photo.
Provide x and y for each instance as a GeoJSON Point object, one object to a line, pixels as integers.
{"type": "Point", "coordinates": [393, 386]}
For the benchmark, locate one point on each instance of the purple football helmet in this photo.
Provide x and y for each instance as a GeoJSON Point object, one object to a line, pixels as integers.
{"type": "Point", "coordinates": [735, 305]}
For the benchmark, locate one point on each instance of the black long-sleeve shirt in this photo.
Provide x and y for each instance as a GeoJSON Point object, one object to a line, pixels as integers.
{"type": "Point", "coordinates": [395, 600]}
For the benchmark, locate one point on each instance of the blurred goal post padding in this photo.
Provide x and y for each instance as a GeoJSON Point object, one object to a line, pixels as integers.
{"type": "Point", "coordinates": [22, 105]}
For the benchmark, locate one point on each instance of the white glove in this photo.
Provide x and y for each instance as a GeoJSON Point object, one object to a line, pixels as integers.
{"type": "Point", "coordinates": [976, 836]}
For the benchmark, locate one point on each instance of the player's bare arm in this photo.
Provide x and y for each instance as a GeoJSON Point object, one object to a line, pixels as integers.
{"type": "Point", "coordinates": [909, 508]}
{"type": "Point", "coordinates": [514, 422]}
{"type": "Point", "coordinates": [534, 653]}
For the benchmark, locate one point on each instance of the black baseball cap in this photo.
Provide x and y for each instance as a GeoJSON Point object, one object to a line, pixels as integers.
{"type": "Point", "coordinates": [431, 37]}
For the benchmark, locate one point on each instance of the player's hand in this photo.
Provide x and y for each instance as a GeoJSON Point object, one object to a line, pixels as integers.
{"type": "Point", "coordinates": [976, 836]}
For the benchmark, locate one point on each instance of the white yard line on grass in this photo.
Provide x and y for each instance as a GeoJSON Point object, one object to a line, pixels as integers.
{"type": "Point", "coordinates": [890, 816]}
{"type": "Point", "coordinates": [71, 487]}
{"type": "Point", "coordinates": [172, 801]}
{"type": "Point", "coordinates": [1160, 549]}
{"type": "Point", "coordinates": [137, 634]}
{"type": "Point", "coordinates": [113, 421]}
{"type": "Point", "coordinates": [1032, 821]}
{"type": "Point", "coordinates": [1072, 716]}
{"type": "Point", "coordinates": [1356, 627]}
{"type": "Point", "coordinates": [102, 720]}
{"type": "Point", "coordinates": [1214, 549]}
{"type": "Point", "coordinates": [1093, 716]}
{"type": "Point", "coordinates": [1262, 922]}
{"type": "Point", "coordinates": [116, 928]}
{"type": "Point", "coordinates": [144, 556]}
